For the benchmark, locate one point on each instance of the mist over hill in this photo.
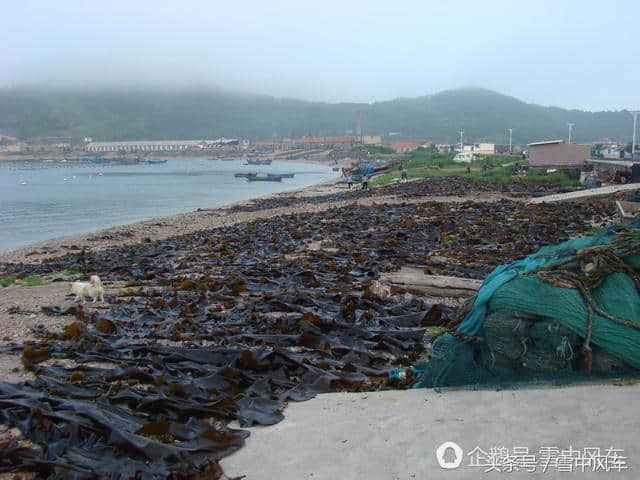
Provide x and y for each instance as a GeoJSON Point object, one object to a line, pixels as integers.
{"type": "Point", "coordinates": [195, 113]}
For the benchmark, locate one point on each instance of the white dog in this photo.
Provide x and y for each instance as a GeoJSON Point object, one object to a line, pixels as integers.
{"type": "Point", "coordinates": [92, 288]}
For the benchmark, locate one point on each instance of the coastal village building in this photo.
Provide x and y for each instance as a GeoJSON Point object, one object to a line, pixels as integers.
{"type": "Point", "coordinates": [342, 143]}
{"type": "Point", "coordinates": [558, 153]}
{"type": "Point", "coordinates": [404, 146]}
{"type": "Point", "coordinates": [444, 148]}
{"type": "Point", "coordinates": [142, 146]}
{"type": "Point", "coordinates": [465, 157]}
{"type": "Point", "coordinates": [158, 145]}
{"type": "Point", "coordinates": [613, 152]}
{"type": "Point", "coordinates": [371, 140]}
{"type": "Point", "coordinates": [59, 142]}
{"type": "Point", "coordinates": [479, 148]}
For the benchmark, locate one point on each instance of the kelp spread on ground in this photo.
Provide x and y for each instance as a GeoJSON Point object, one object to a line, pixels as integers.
{"type": "Point", "coordinates": [233, 323]}
{"type": "Point", "coordinates": [436, 186]}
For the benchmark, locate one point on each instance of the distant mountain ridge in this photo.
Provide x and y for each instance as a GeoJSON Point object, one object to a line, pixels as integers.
{"type": "Point", "coordinates": [198, 113]}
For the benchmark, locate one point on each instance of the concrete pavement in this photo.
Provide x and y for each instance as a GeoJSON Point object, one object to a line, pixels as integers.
{"type": "Point", "coordinates": [395, 434]}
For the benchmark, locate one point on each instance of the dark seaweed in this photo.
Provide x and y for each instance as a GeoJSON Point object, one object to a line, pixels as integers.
{"type": "Point", "coordinates": [232, 323]}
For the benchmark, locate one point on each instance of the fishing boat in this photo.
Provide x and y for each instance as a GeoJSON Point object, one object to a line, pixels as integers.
{"type": "Point", "coordinates": [257, 161]}
{"type": "Point", "coordinates": [245, 174]}
{"type": "Point", "coordinates": [281, 175]}
{"type": "Point", "coordinates": [156, 161]}
{"type": "Point", "coordinates": [264, 178]}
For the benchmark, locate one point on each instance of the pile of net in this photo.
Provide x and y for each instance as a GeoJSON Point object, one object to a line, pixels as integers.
{"type": "Point", "coordinates": [567, 312]}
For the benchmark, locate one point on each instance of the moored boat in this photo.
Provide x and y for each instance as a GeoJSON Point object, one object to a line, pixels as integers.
{"type": "Point", "coordinates": [281, 175]}
{"type": "Point", "coordinates": [258, 161]}
{"type": "Point", "coordinates": [264, 178]}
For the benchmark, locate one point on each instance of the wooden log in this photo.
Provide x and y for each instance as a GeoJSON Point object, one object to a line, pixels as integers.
{"type": "Point", "coordinates": [414, 280]}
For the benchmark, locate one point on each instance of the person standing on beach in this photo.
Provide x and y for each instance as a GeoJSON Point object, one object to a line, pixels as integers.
{"type": "Point", "coordinates": [403, 173]}
{"type": "Point", "coordinates": [350, 181]}
{"type": "Point", "coordinates": [365, 182]}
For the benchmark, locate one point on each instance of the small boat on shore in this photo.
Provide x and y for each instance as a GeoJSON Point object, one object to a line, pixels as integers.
{"type": "Point", "coordinates": [153, 162]}
{"type": "Point", "coordinates": [245, 174]}
{"type": "Point", "coordinates": [264, 178]}
{"type": "Point", "coordinates": [287, 175]}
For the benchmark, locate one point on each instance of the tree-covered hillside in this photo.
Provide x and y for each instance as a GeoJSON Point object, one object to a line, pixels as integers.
{"type": "Point", "coordinates": [108, 114]}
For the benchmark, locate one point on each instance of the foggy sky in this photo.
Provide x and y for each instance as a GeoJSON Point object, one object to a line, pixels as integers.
{"type": "Point", "coordinates": [574, 54]}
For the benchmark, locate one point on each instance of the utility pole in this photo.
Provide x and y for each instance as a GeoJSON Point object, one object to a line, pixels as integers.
{"type": "Point", "coordinates": [570, 129]}
{"type": "Point", "coordinates": [633, 142]}
{"type": "Point", "coordinates": [461, 144]}
{"type": "Point", "coordinates": [510, 134]}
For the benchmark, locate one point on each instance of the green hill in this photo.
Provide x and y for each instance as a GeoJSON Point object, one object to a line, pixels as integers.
{"type": "Point", "coordinates": [108, 114]}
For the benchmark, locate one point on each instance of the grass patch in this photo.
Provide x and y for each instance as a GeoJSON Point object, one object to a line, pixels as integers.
{"type": "Point", "coordinates": [443, 167]}
{"type": "Point", "coordinates": [32, 281]}
{"type": "Point", "coordinates": [555, 178]}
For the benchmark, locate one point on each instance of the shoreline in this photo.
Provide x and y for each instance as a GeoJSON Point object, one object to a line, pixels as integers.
{"type": "Point", "coordinates": [159, 228]}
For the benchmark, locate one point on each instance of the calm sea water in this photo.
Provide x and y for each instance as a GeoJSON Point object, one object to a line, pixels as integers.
{"type": "Point", "coordinates": [42, 201]}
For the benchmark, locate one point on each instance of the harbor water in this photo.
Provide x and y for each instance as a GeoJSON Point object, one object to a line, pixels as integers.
{"type": "Point", "coordinates": [42, 201]}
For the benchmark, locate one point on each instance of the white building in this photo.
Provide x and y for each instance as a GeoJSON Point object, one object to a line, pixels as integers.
{"type": "Point", "coordinates": [143, 146]}
{"type": "Point", "coordinates": [466, 157]}
{"type": "Point", "coordinates": [480, 148]}
{"type": "Point", "coordinates": [613, 152]}
{"type": "Point", "coordinates": [371, 140]}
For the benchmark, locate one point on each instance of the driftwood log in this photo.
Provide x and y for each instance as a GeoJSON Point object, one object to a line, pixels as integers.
{"type": "Point", "coordinates": [414, 280]}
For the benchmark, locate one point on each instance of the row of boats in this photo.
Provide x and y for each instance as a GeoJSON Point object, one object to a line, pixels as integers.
{"type": "Point", "coordinates": [264, 177]}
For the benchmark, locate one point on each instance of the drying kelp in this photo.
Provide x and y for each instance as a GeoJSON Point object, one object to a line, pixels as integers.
{"type": "Point", "coordinates": [435, 186]}
{"type": "Point", "coordinates": [346, 243]}
{"type": "Point", "coordinates": [184, 363]}
{"type": "Point", "coordinates": [233, 323]}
